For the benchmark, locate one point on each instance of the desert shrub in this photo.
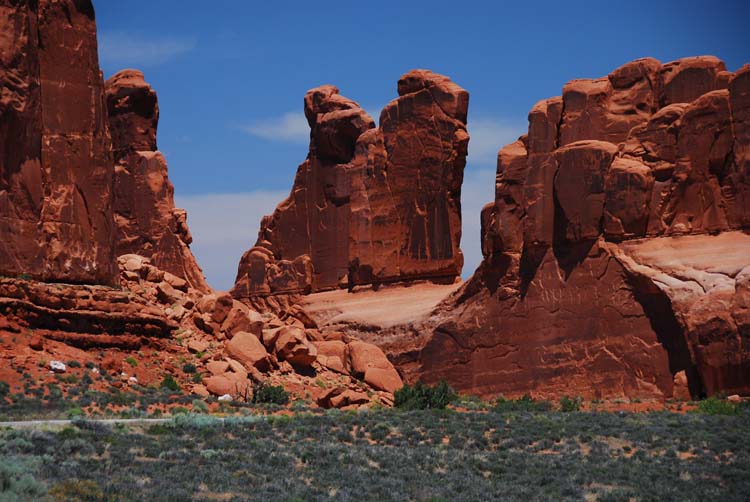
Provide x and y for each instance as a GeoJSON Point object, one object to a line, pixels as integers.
{"type": "Point", "coordinates": [74, 364]}
{"type": "Point", "coordinates": [169, 383]}
{"type": "Point", "coordinates": [269, 394]}
{"type": "Point", "coordinates": [716, 406]}
{"type": "Point", "coordinates": [4, 389]}
{"type": "Point", "coordinates": [16, 483]}
{"type": "Point", "coordinates": [75, 413]}
{"type": "Point", "coordinates": [568, 404]}
{"type": "Point", "coordinates": [200, 406]}
{"type": "Point", "coordinates": [525, 403]}
{"type": "Point", "coordinates": [75, 490]}
{"type": "Point", "coordinates": [132, 361]}
{"type": "Point", "coordinates": [423, 397]}
{"type": "Point", "coordinates": [188, 368]}
{"type": "Point", "coordinates": [197, 378]}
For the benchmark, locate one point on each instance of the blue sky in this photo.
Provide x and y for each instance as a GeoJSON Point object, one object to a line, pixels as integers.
{"type": "Point", "coordinates": [231, 76]}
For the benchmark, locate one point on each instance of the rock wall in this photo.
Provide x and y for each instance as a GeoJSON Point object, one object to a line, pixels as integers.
{"type": "Point", "coordinates": [55, 161]}
{"type": "Point", "coordinates": [148, 224]}
{"type": "Point", "coordinates": [369, 205]}
{"type": "Point", "coordinates": [615, 263]}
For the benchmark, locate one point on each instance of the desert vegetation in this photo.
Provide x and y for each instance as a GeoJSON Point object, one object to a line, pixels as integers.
{"type": "Point", "coordinates": [512, 450]}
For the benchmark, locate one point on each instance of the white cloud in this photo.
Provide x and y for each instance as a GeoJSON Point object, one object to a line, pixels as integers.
{"type": "Point", "coordinates": [478, 189]}
{"type": "Point", "coordinates": [488, 136]}
{"type": "Point", "coordinates": [122, 49]}
{"type": "Point", "coordinates": [224, 226]}
{"type": "Point", "coordinates": [291, 127]}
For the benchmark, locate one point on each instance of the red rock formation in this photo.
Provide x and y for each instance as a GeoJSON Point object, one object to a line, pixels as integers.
{"type": "Point", "coordinates": [55, 163]}
{"type": "Point", "coordinates": [369, 205]}
{"type": "Point", "coordinates": [603, 274]}
{"type": "Point", "coordinates": [148, 224]}
{"type": "Point", "coordinates": [57, 225]}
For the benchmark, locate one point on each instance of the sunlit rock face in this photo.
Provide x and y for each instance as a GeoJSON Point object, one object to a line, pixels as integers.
{"type": "Point", "coordinates": [616, 253]}
{"type": "Point", "coordinates": [55, 160]}
{"type": "Point", "coordinates": [369, 205]}
{"type": "Point", "coordinates": [148, 223]}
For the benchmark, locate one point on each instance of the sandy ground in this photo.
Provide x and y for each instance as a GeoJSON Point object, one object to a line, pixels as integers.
{"type": "Point", "coordinates": [389, 306]}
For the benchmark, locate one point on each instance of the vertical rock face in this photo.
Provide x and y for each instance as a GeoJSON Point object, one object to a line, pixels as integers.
{"type": "Point", "coordinates": [369, 205]}
{"type": "Point", "coordinates": [55, 161]}
{"type": "Point", "coordinates": [148, 224]}
{"type": "Point", "coordinates": [614, 257]}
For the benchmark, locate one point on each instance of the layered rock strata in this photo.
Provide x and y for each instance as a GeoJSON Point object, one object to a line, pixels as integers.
{"type": "Point", "coordinates": [369, 205]}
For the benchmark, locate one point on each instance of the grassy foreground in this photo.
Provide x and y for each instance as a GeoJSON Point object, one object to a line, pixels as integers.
{"type": "Point", "coordinates": [386, 455]}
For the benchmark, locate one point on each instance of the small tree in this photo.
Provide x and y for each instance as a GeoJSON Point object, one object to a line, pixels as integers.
{"type": "Point", "coordinates": [423, 397]}
{"type": "Point", "coordinates": [269, 394]}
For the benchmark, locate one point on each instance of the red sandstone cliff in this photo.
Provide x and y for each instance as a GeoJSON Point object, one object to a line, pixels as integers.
{"type": "Point", "coordinates": [57, 198]}
{"type": "Point", "coordinates": [615, 262]}
{"type": "Point", "coordinates": [148, 224]}
{"type": "Point", "coordinates": [55, 160]}
{"type": "Point", "coordinates": [369, 205]}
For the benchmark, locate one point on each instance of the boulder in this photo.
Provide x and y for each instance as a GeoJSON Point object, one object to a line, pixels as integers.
{"type": "Point", "coordinates": [292, 345]}
{"type": "Point", "coordinates": [57, 366]}
{"type": "Point", "coordinates": [217, 367]}
{"type": "Point", "coordinates": [219, 385]}
{"type": "Point", "coordinates": [386, 379]}
{"type": "Point", "coordinates": [196, 346]}
{"type": "Point", "coordinates": [366, 355]}
{"type": "Point", "coordinates": [167, 294]}
{"type": "Point", "coordinates": [333, 355]}
{"type": "Point", "coordinates": [242, 318]}
{"type": "Point", "coordinates": [248, 350]}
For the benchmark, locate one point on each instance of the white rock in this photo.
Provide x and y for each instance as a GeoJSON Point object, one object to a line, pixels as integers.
{"type": "Point", "coordinates": [225, 397]}
{"type": "Point", "coordinates": [132, 380]}
{"type": "Point", "coordinates": [57, 366]}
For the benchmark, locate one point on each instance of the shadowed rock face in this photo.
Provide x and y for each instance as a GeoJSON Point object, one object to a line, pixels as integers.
{"type": "Point", "coordinates": [148, 224]}
{"type": "Point", "coordinates": [614, 252]}
{"type": "Point", "coordinates": [55, 161]}
{"type": "Point", "coordinates": [369, 205]}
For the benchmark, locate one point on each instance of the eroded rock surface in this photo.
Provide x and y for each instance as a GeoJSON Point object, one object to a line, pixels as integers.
{"type": "Point", "coordinates": [148, 223]}
{"type": "Point", "coordinates": [615, 262]}
{"type": "Point", "coordinates": [369, 205]}
{"type": "Point", "coordinates": [55, 160]}
{"type": "Point", "coordinates": [123, 297]}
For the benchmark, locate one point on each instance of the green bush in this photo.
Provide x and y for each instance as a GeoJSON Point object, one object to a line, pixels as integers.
{"type": "Point", "coordinates": [169, 383]}
{"type": "Point", "coordinates": [197, 378]}
{"type": "Point", "coordinates": [4, 389]}
{"type": "Point", "coordinates": [188, 368]}
{"type": "Point", "coordinates": [75, 413]}
{"type": "Point", "coordinates": [525, 403]}
{"type": "Point", "coordinates": [269, 394]}
{"type": "Point", "coordinates": [131, 361]}
{"type": "Point", "coordinates": [568, 404]}
{"type": "Point", "coordinates": [199, 406]}
{"type": "Point", "coordinates": [717, 406]}
{"type": "Point", "coordinates": [16, 483]}
{"type": "Point", "coordinates": [423, 397]}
